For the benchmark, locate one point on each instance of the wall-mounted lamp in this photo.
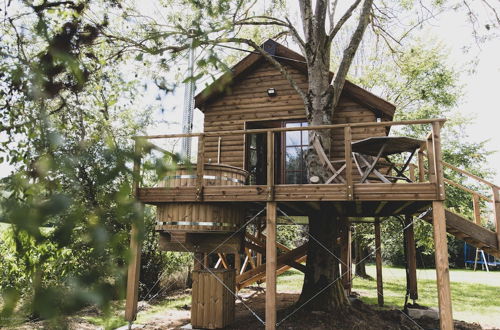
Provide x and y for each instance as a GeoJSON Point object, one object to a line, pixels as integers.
{"type": "Point", "coordinates": [271, 92]}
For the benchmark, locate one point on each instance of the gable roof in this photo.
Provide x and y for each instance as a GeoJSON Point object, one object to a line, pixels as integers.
{"type": "Point", "coordinates": [286, 55]}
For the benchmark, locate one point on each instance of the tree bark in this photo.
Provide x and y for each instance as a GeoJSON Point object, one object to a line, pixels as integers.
{"type": "Point", "coordinates": [361, 253]}
{"type": "Point", "coordinates": [322, 289]}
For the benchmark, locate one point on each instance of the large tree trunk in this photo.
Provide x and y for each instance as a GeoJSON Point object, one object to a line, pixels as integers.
{"type": "Point", "coordinates": [360, 260]}
{"type": "Point", "coordinates": [322, 288]}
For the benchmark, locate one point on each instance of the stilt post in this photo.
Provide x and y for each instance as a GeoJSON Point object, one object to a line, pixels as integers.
{"type": "Point", "coordinates": [346, 255]}
{"type": "Point", "coordinates": [348, 163]}
{"type": "Point", "coordinates": [378, 264]}
{"type": "Point", "coordinates": [271, 267]}
{"type": "Point", "coordinates": [134, 265]}
{"type": "Point", "coordinates": [442, 267]}
{"type": "Point", "coordinates": [411, 257]}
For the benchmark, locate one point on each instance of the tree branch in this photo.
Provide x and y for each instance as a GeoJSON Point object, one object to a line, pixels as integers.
{"type": "Point", "coordinates": [336, 28]}
{"type": "Point", "coordinates": [306, 16]}
{"type": "Point", "coordinates": [350, 51]}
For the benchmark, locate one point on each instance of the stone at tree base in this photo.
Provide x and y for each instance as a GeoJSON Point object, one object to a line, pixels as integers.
{"type": "Point", "coordinates": [417, 313]}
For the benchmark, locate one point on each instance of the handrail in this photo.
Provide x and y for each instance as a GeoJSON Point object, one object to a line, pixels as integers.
{"type": "Point", "coordinates": [476, 196]}
{"type": "Point", "coordinates": [458, 185]}
{"type": "Point", "coordinates": [473, 176]}
{"type": "Point", "coordinates": [304, 128]}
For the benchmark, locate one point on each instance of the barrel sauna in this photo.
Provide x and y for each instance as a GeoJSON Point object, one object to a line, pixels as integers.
{"type": "Point", "coordinates": [202, 217]}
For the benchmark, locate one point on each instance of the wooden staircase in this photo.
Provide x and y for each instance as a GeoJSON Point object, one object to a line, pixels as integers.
{"type": "Point", "coordinates": [469, 232]}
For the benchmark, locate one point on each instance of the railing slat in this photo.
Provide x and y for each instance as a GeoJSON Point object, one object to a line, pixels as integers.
{"type": "Point", "coordinates": [436, 144]}
{"type": "Point", "coordinates": [270, 165]}
{"type": "Point", "coordinates": [477, 209]}
{"type": "Point", "coordinates": [348, 162]}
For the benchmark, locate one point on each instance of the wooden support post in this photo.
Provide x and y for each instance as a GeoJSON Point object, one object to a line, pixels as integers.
{"type": "Point", "coordinates": [134, 266]}
{"type": "Point", "coordinates": [259, 236]}
{"type": "Point", "coordinates": [442, 267]}
{"type": "Point", "coordinates": [237, 262]}
{"type": "Point", "coordinates": [438, 165]}
{"type": "Point", "coordinates": [270, 166]}
{"type": "Point", "coordinates": [346, 255]}
{"type": "Point", "coordinates": [430, 160]}
{"type": "Point", "coordinates": [411, 257]}
{"type": "Point", "coordinates": [271, 255]}
{"type": "Point", "coordinates": [496, 211]}
{"type": "Point", "coordinates": [348, 163]}
{"type": "Point", "coordinates": [477, 209]}
{"type": "Point", "coordinates": [378, 264]}
{"type": "Point", "coordinates": [200, 165]}
{"type": "Point", "coordinates": [198, 260]}
{"type": "Point", "coordinates": [413, 178]}
{"type": "Point", "coordinates": [421, 166]}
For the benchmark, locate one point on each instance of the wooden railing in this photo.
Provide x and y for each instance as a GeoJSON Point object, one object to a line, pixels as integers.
{"type": "Point", "coordinates": [477, 196]}
{"type": "Point", "coordinates": [433, 146]}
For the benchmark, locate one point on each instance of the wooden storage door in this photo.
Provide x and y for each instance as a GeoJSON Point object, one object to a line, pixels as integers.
{"type": "Point", "coordinates": [213, 304]}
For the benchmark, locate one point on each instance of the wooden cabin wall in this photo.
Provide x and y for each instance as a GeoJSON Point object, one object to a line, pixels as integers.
{"type": "Point", "coordinates": [248, 101]}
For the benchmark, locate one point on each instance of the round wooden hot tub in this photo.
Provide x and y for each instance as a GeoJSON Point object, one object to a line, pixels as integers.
{"type": "Point", "coordinates": [202, 217]}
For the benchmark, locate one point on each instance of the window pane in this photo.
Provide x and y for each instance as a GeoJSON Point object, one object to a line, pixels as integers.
{"type": "Point", "coordinates": [305, 138]}
{"type": "Point", "coordinates": [293, 138]}
{"type": "Point", "coordinates": [293, 177]}
{"type": "Point", "coordinates": [293, 159]}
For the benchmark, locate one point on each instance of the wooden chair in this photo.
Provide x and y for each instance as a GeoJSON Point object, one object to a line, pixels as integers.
{"type": "Point", "coordinates": [325, 161]}
{"type": "Point", "coordinates": [363, 164]}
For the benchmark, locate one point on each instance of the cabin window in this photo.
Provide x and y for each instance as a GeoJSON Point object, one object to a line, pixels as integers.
{"type": "Point", "coordinates": [296, 144]}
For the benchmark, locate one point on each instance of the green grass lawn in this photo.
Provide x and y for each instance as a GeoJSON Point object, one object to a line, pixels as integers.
{"type": "Point", "coordinates": [475, 295]}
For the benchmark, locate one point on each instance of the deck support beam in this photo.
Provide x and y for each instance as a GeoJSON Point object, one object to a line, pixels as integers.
{"type": "Point", "coordinates": [442, 267]}
{"type": "Point", "coordinates": [411, 258]}
{"type": "Point", "coordinates": [271, 256]}
{"type": "Point", "coordinates": [378, 264]}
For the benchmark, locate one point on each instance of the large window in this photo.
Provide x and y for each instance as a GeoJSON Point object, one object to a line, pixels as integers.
{"type": "Point", "coordinates": [296, 144]}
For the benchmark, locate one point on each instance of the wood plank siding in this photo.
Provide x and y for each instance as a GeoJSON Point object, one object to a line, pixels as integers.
{"type": "Point", "coordinates": [246, 101]}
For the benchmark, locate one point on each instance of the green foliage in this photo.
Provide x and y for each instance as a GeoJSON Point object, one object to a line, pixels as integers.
{"type": "Point", "coordinates": [291, 236]}
{"type": "Point", "coordinates": [418, 80]}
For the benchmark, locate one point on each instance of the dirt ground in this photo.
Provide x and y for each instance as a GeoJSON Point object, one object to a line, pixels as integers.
{"type": "Point", "coordinates": [248, 312]}
{"type": "Point", "coordinates": [360, 316]}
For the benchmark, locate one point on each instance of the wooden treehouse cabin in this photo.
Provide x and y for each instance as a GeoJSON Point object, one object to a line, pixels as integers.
{"type": "Point", "coordinates": [250, 176]}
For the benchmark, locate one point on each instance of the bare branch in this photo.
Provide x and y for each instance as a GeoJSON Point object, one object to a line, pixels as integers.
{"type": "Point", "coordinates": [331, 11]}
{"type": "Point", "coordinates": [306, 15]}
{"type": "Point", "coordinates": [493, 10]}
{"type": "Point", "coordinates": [350, 51]}
{"type": "Point", "coordinates": [320, 18]}
{"type": "Point", "coordinates": [295, 34]}
{"type": "Point", "coordinates": [336, 28]}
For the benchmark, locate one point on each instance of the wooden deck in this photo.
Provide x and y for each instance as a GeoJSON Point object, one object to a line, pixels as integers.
{"type": "Point", "coordinates": [289, 193]}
